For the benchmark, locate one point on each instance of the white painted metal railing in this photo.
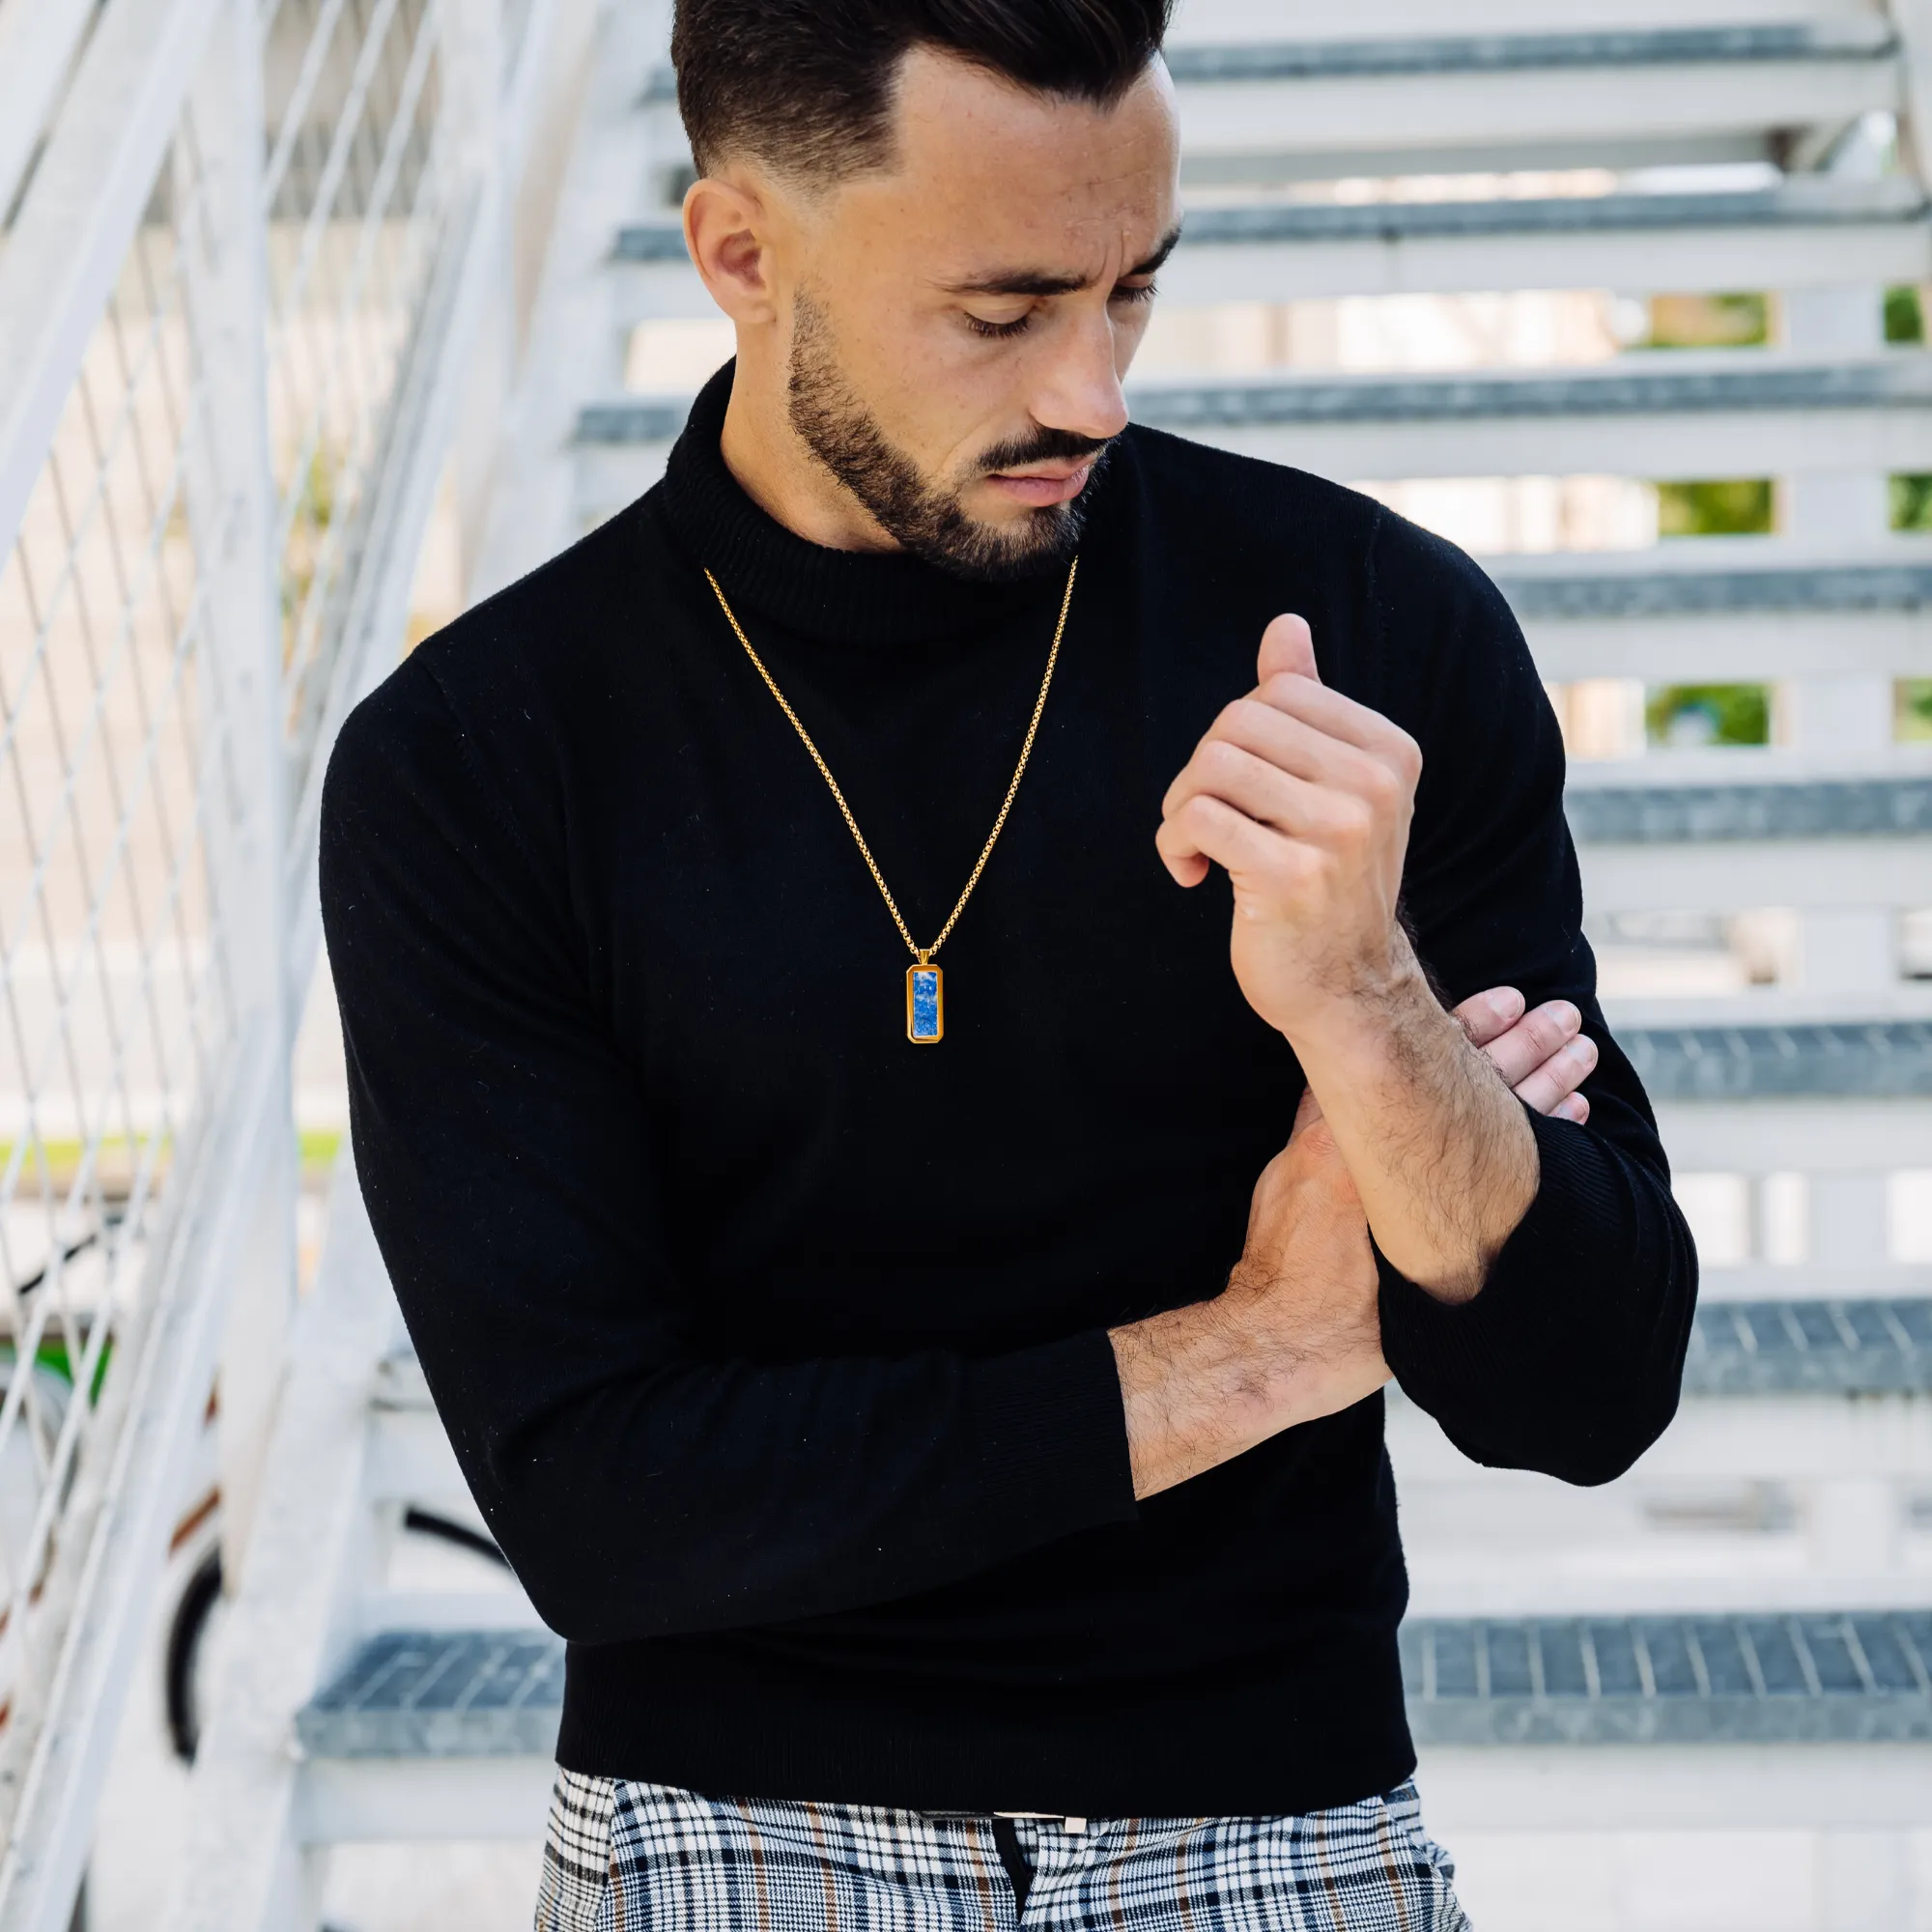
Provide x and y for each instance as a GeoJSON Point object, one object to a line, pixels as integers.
{"type": "Point", "coordinates": [246, 246]}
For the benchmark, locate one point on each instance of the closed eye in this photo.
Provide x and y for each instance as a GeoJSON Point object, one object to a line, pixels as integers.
{"type": "Point", "coordinates": [997, 331]}
{"type": "Point", "coordinates": [1000, 331]}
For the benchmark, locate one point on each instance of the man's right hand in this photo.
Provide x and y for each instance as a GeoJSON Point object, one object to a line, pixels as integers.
{"type": "Point", "coordinates": [1296, 1334]}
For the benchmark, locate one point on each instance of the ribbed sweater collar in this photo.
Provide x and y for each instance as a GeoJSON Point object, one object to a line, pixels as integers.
{"type": "Point", "coordinates": [861, 597]}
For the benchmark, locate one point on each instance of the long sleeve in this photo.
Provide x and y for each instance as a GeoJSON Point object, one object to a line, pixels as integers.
{"type": "Point", "coordinates": [637, 1484]}
{"type": "Point", "coordinates": [1569, 1360]}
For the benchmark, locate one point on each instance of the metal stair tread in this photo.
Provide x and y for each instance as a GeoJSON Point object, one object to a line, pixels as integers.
{"type": "Point", "coordinates": [1201, 63]}
{"type": "Point", "coordinates": [1816, 809]}
{"type": "Point", "coordinates": [1882, 1060]}
{"type": "Point", "coordinates": [1797, 203]}
{"type": "Point", "coordinates": [1582, 587]}
{"type": "Point", "coordinates": [1772, 1679]}
{"type": "Point", "coordinates": [1844, 1677]}
{"type": "Point", "coordinates": [1206, 63]}
{"type": "Point", "coordinates": [1613, 389]}
{"type": "Point", "coordinates": [440, 1693]}
{"type": "Point", "coordinates": [1792, 203]}
{"type": "Point", "coordinates": [1812, 1347]}
{"type": "Point", "coordinates": [1676, 383]}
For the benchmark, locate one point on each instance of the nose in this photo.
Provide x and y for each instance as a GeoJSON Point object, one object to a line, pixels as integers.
{"type": "Point", "coordinates": [1079, 389]}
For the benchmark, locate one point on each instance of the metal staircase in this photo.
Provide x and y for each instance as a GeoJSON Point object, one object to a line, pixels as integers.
{"type": "Point", "coordinates": [1733, 1637]}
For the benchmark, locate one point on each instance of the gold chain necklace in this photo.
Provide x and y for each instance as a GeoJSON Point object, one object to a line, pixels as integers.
{"type": "Point", "coordinates": [925, 983]}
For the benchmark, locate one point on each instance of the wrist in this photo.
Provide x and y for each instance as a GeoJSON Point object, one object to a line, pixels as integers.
{"type": "Point", "coordinates": [1364, 1006]}
{"type": "Point", "coordinates": [1202, 1384]}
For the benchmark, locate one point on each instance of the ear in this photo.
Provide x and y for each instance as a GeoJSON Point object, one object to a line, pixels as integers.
{"type": "Point", "coordinates": [1288, 647]}
{"type": "Point", "coordinates": [727, 230]}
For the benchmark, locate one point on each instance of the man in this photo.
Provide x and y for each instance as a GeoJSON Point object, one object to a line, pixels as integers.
{"type": "Point", "coordinates": [891, 1329]}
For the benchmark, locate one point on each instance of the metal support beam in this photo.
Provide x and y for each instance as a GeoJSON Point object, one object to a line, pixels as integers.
{"type": "Point", "coordinates": [36, 45]}
{"type": "Point", "coordinates": [248, 1870]}
{"type": "Point", "coordinates": [87, 195]}
{"type": "Point", "coordinates": [231, 514]}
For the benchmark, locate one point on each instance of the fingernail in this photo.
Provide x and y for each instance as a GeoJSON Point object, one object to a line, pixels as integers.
{"type": "Point", "coordinates": [1583, 1050]}
{"type": "Point", "coordinates": [1509, 1002]}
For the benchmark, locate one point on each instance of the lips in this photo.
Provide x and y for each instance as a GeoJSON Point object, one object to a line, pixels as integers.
{"type": "Point", "coordinates": [1042, 491]}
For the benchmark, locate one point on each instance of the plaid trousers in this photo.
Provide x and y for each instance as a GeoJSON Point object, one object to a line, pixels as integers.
{"type": "Point", "coordinates": [621, 1857]}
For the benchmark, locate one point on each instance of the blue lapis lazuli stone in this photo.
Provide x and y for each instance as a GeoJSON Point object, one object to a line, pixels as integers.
{"type": "Point", "coordinates": [926, 1003]}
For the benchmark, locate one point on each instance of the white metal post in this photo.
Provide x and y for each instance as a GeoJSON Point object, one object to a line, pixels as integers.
{"type": "Point", "coordinates": [231, 507]}
{"type": "Point", "coordinates": [472, 65]}
{"type": "Point", "coordinates": [36, 42]}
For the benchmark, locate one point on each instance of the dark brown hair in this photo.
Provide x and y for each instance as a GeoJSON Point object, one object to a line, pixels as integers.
{"type": "Point", "coordinates": [806, 86]}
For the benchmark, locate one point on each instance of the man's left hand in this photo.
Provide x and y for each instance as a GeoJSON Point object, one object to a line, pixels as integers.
{"type": "Point", "coordinates": [1543, 1054]}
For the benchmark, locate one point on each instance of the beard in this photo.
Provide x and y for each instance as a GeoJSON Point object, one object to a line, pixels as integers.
{"type": "Point", "coordinates": [924, 516]}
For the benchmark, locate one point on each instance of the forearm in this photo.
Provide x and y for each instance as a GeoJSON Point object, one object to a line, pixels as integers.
{"type": "Point", "coordinates": [1438, 1148]}
{"type": "Point", "coordinates": [1193, 1392]}
{"type": "Point", "coordinates": [1295, 1335]}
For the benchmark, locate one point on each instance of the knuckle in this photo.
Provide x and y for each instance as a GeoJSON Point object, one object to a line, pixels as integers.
{"type": "Point", "coordinates": [1222, 760]}
{"type": "Point", "coordinates": [1354, 821]}
{"type": "Point", "coordinates": [1382, 787]}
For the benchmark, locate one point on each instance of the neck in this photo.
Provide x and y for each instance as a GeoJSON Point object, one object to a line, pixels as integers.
{"type": "Point", "coordinates": [774, 467]}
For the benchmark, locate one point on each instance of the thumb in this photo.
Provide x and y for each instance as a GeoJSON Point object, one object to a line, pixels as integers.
{"type": "Point", "coordinates": [1287, 646]}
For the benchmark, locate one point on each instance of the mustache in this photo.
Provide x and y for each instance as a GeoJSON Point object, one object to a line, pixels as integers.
{"type": "Point", "coordinates": [1043, 446]}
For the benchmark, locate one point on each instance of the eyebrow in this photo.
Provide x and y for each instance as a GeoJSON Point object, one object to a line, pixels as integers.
{"type": "Point", "coordinates": [1036, 282]}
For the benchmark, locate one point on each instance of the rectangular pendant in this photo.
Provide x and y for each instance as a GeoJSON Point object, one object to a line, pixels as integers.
{"type": "Point", "coordinates": [926, 1005]}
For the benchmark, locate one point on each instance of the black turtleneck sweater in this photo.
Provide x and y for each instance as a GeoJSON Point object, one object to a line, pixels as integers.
{"type": "Point", "coordinates": [773, 1346]}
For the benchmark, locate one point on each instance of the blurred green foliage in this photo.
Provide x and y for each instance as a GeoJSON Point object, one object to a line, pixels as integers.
{"type": "Point", "coordinates": [1708, 714]}
{"type": "Point", "coordinates": [1904, 315]}
{"type": "Point", "coordinates": [1913, 720]}
{"type": "Point", "coordinates": [1912, 502]}
{"type": "Point", "coordinates": [1738, 506]}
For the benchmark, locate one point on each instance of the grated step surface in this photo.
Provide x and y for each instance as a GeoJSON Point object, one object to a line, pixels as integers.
{"type": "Point", "coordinates": [1680, 814]}
{"type": "Point", "coordinates": [1810, 1679]}
{"type": "Point", "coordinates": [1881, 1060]}
{"type": "Point", "coordinates": [1809, 587]}
{"type": "Point", "coordinates": [1835, 1678]}
{"type": "Point", "coordinates": [440, 1693]}
{"type": "Point", "coordinates": [1508, 53]}
{"type": "Point", "coordinates": [1810, 1348]}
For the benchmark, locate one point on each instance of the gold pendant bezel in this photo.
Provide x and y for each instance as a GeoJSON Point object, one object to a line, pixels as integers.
{"type": "Point", "coordinates": [939, 992]}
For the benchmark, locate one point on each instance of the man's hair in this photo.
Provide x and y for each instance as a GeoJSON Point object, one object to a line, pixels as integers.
{"type": "Point", "coordinates": [806, 86]}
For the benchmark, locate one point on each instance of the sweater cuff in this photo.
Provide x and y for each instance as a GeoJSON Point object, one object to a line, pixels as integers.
{"type": "Point", "coordinates": [1052, 1438]}
{"type": "Point", "coordinates": [1538, 1292]}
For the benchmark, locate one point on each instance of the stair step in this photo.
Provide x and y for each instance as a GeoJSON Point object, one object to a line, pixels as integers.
{"type": "Point", "coordinates": [1439, 103]}
{"type": "Point", "coordinates": [1889, 1059]}
{"type": "Point", "coordinates": [1679, 814]}
{"type": "Point", "coordinates": [1587, 587]}
{"type": "Point", "coordinates": [1723, 610]}
{"type": "Point", "coordinates": [1810, 1679]}
{"type": "Point", "coordinates": [1812, 1347]}
{"type": "Point", "coordinates": [440, 1693]}
{"type": "Point", "coordinates": [1440, 55]}
{"type": "Point", "coordinates": [1681, 414]}
{"type": "Point", "coordinates": [1803, 234]}
{"type": "Point", "coordinates": [1767, 1679]}
{"type": "Point", "coordinates": [1428, 104]}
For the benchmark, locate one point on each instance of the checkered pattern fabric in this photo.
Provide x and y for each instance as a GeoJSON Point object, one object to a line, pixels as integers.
{"type": "Point", "coordinates": [622, 1856]}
